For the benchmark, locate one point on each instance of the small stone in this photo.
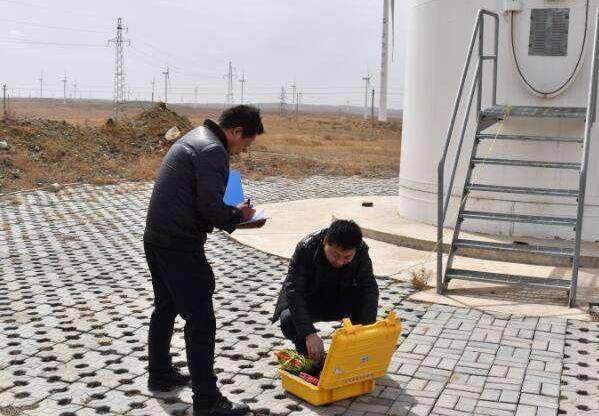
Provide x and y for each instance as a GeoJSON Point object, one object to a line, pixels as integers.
{"type": "Point", "coordinates": [172, 134]}
{"type": "Point", "coordinates": [34, 147]}
{"type": "Point", "coordinates": [3, 145]}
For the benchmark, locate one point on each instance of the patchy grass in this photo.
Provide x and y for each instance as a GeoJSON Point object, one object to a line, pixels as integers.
{"type": "Point", "coordinates": [420, 278]}
{"type": "Point", "coordinates": [328, 146]}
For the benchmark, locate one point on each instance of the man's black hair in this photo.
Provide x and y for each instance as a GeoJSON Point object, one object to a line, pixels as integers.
{"type": "Point", "coordinates": [245, 116]}
{"type": "Point", "coordinates": [345, 234]}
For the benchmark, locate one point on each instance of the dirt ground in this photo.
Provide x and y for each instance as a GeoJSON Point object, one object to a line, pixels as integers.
{"type": "Point", "coordinates": [49, 142]}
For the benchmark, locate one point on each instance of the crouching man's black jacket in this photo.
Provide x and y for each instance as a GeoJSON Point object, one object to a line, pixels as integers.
{"type": "Point", "coordinates": [313, 288]}
{"type": "Point", "coordinates": [187, 200]}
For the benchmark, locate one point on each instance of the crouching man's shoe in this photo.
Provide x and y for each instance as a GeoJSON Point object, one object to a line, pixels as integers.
{"type": "Point", "coordinates": [221, 407]}
{"type": "Point", "coordinates": [168, 380]}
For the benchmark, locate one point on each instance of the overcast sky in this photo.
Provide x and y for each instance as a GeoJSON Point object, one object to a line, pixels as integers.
{"type": "Point", "coordinates": [326, 46]}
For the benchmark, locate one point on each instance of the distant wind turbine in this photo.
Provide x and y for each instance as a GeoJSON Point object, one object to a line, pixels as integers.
{"type": "Point", "coordinates": [388, 6]}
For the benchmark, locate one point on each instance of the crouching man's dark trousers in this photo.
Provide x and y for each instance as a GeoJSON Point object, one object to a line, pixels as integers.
{"type": "Point", "coordinates": [290, 331]}
{"type": "Point", "coordinates": [183, 285]}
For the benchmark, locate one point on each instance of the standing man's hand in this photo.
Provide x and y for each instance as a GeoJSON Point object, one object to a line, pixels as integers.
{"type": "Point", "coordinates": [257, 224]}
{"type": "Point", "coordinates": [247, 209]}
{"type": "Point", "coordinates": [315, 346]}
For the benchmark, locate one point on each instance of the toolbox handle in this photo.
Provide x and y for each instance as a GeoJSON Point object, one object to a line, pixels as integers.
{"type": "Point", "coordinates": [348, 326]}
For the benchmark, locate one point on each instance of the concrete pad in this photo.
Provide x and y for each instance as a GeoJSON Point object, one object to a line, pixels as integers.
{"type": "Point", "coordinates": [291, 221]}
{"type": "Point", "coordinates": [383, 222]}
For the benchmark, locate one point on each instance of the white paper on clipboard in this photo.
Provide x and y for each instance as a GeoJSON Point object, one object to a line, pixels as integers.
{"type": "Point", "coordinates": [258, 216]}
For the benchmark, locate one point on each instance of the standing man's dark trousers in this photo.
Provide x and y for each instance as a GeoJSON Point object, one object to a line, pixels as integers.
{"type": "Point", "coordinates": [183, 284]}
{"type": "Point", "coordinates": [290, 332]}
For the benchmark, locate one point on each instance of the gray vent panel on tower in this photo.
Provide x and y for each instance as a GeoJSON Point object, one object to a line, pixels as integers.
{"type": "Point", "coordinates": [549, 32]}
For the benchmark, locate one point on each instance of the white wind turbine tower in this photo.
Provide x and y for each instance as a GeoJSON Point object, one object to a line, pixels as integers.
{"type": "Point", "coordinates": [388, 6]}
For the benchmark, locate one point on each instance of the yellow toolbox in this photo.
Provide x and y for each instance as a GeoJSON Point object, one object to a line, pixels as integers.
{"type": "Point", "coordinates": [358, 355]}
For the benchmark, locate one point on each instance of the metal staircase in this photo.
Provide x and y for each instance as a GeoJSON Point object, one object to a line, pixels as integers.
{"type": "Point", "coordinates": [485, 118]}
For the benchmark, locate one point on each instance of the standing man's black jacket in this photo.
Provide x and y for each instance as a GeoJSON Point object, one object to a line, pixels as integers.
{"type": "Point", "coordinates": [314, 287]}
{"type": "Point", "coordinates": [187, 201]}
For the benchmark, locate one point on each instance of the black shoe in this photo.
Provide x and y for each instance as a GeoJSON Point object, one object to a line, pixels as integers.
{"type": "Point", "coordinates": [167, 381]}
{"type": "Point", "coordinates": [221, 407]}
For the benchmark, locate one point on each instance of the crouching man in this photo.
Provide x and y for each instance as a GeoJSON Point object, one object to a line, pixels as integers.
{"type": "Point", "coordinates": [330, 278]}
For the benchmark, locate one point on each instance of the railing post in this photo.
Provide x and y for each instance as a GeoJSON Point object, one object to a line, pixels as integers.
{"type": "Point", "coordinates": [440, 221]}
{"type": "Point", "coordinates": [481, 52]}
{"type": "Point", "coordinates": [590, 116]}
{"type": "Point", "coordinates": [473, 88]}
{"type": "Point", "coordinates": [494, 99]}
{"type": "Point", "coordinates": [477, 83]}
{"type": "Point", "coordinates": [456, 103]}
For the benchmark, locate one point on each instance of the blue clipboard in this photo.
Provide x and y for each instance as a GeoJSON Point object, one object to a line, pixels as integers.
{"type": "Point", "coordinates": [234, 190]}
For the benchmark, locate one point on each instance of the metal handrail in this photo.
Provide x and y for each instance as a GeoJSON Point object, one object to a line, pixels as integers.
{"type": "Point", "coordinates": [442, 201]}
{"type": "Point", "coordinates": [590, 119]}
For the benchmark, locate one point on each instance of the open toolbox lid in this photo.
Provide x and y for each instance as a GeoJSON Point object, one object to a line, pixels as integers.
{"type": "Point", "coordinates": [360, 352]}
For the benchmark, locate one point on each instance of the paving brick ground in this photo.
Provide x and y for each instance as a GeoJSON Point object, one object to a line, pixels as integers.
{"type": "Point", "coordinates": [75, 298]}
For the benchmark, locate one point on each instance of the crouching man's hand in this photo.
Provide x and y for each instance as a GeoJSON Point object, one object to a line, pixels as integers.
{"type": "Point", "coordinates": [315, 346]}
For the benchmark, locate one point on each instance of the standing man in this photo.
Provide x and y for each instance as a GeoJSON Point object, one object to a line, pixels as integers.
{"type": "Point", "coordinates": [330, 278]}
{"type": "Point", "coordinates": [186, 204]}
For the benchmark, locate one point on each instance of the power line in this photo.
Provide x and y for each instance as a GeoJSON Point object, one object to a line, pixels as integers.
{"type": "Point", "coordinates": [41, 7]}
{"type": "Point", "coordinates": [21, 22]}
{"type": "Point", "coordinates": [141, 59]}
{"type": "Point", "coordinates": [189, 90]}
{"type": "Point", "coordinates": [162, 53]}
{"type": "Point", "coordinates": [152, 61]}
{"type": "Point", "coordinates": [46, 43]}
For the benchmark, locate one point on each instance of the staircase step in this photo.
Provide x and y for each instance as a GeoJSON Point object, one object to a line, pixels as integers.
{"type": "Point", "coordinates": [526, 163]}
{"type": "Point", "coordinates": [570, 193]}
{"type": "Point", "coordinates": [515, 248]}
{"type": "Point", "coordinates": [473, 275]}
{"type": "Point", "coordinates": [486, 136]}
{"type": "Point", "coordinates": [499, 112]}
{"type": "Point", "coordinates": [530, 219]}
